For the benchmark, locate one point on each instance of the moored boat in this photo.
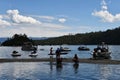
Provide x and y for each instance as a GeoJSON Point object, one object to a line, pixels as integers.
{"type": "Point", "coordinates": [101, 52]}
{"type": "Point", "coordinates": [33, 54]}
{"type": "Point", "coordinates": [61, 53]}
{"type": "Point", "coordinates": [64, 49]}
{"type": "Point", "coordinates": [15, 54]}
{"type": "Point", "coordinates": [83, 48]}
{"type": "Point", "coordinates": [28, 46]}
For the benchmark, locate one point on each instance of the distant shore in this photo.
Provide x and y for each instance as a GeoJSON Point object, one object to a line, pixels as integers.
{"type": "Point", "coordinates": [87, 60]}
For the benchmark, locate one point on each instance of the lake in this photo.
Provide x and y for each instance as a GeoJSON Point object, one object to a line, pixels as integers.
{"type": "Point", "coordinates": [51, 71]}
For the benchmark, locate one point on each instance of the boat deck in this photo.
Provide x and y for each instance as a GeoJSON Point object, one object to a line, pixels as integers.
{"type": "Point", "coordinates": [3, 60]}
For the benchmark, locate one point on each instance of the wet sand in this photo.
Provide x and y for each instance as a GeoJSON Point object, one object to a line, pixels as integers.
{"type": "Point", "coordinates": [3, 60]}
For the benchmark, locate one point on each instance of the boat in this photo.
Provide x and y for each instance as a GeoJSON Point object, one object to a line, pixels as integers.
{"type": "Point", "coordinates": [64, 49]}
{"type": "Point", "coordinates": [61, 53]}
{"type": "Point", "coordinates": [101, 52]}
{"type": "Point", "coordinates": [83, 48]}
{"type": "Point", "coordinates": [28, 46]}
{"type": "Point", "coordinates": [15, 54]}
{"type": "Point", "coordinates": [33, 54]}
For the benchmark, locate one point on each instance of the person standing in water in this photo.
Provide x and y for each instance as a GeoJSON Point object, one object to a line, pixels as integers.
{"type": "Point", "coordinates": [58, 58]}
{"type": "Point", "coordinates": [75, 58]}
{"type": "Point", "coordinates": [51, 50]}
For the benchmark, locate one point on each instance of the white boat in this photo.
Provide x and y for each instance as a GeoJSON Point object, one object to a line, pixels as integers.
{"type": "Point", "coordinates": [15, 54]}
{"type": "Point", "coordinates": [101, 52]}
{"type": "Point", "coordinates": [64, 49]}
{"type": "Point", "coordinates": [33, 54]}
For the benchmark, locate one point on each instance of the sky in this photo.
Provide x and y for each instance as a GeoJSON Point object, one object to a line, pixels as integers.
{"type": "Point", "coordinates": [53, 18]}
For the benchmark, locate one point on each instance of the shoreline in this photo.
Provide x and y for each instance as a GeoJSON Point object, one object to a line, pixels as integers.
{"type": "Point", "coordinates": [87, 60]}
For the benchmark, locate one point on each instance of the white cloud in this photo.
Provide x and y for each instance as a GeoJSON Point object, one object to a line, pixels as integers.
{"type": "Point", "coordinates": [62, 20]}
{"type": "Point", "coordinates": [105, 15]}
{"type": "Point", "coordinates": [17, 18]}
{"type": "Point", "coordinates": [51, 18]}
{"type": "Point", "coordinates": [1, 17]}
{"type": "Point", "coordinates": [47, 17]}
{"type": "Point", "coordinates": [3, 22]}
{"type": "Point", "coordinates": [36, 30]}
{"type": "Point", "coordinates": [16, 23]}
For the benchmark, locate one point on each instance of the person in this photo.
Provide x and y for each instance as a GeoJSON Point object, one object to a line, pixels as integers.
{"type": "Point", "coordinates": [51, 50]}
{"type": "Point", "coordinates": [75, 58]}
{"type": "Point", "coordinates": [14, 52]}
{"type": "Point", "coordinates": [58, 58]}
{"type": "Point", "coordinates": [57, 53]}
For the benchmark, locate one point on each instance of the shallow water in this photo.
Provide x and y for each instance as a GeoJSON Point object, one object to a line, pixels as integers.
{"type": "Point", "coordinates": [51, 71]}
{"type": "Point", "coordinates": [48, 71]}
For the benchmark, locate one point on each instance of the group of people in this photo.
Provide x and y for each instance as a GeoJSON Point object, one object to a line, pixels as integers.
{"type": "Point", "coordinates": [58, 57]}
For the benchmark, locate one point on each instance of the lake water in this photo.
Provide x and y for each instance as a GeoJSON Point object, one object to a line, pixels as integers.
{"type": "Point", "coordinates": [51, 71]}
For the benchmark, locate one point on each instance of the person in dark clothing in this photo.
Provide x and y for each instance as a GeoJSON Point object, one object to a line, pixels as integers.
{"type": "Point", "coordinates": [75, 58]}
{"type": "Point", "coordinates": [51, 50]}
{"type": "Point", "coordinates": [58, 58]}
{"type": "Point", "coordinates": [57, 53]}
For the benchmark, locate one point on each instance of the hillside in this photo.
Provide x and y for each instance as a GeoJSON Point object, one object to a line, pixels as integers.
{"type": "Point", "coordinates": [16, 40]}
{"type": "Point", "coordinates": [110, 37]}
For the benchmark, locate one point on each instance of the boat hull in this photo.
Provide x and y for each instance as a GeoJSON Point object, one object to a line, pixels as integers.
{"type": "Point", "coordinates": [83, 49]}
{"type": "Point", "coordinates": [62, 53]}
{"type": "Point", "coordinates": [102, 55]}
{"type": "Point", "coordinates": [15, 55]}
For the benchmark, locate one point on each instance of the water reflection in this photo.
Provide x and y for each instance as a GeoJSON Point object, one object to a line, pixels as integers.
{"type": "Point", "coordinates": [105, 72]}
{"type": "Point", "coordinates": [76, 66]}
{"type": "Point", "coordinates": [59, 67]}
{"type": "Point", "coordinates": [51, 62]}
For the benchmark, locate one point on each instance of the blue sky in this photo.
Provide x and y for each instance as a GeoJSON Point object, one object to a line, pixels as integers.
{"type": "Point", "coordinates": [50, 18]}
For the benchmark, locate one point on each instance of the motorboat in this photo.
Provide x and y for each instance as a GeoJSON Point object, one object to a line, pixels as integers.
{"type": "Point", "coordinates": [83, 48]}
{"type": "Point", "coordinates": [15, 54]}
{"type": "Point", "coordinates": [61, 53]}
{"type": "Point", "coordinates": [33, 54]}
{"type": "Point", "coordinates": [101, 52]}
{"type": "Point", "coordinates": [64, 49]}
{"type": "Point", "coordinates": [28, 46]}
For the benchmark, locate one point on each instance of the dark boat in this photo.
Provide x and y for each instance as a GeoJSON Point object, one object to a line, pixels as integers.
{"type": "Point", "coordinates": [101, 52]}
{"type": "Point", "coordinates": [61, 53]}
{"type": "Point", "coordinates": [28, 46]}
{"type": "Point", "coordinates": [83, 48]}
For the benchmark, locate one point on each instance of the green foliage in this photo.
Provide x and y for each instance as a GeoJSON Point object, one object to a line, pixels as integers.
{"type": "Point", "coordinates": [109, 36]}
{"type": "Point", "coordinates": [16, 40]}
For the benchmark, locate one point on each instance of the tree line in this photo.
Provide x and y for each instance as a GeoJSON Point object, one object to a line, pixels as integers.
{"type": "Point", "coordinates": [17, 40]}
{"type": "Point", "coordinates": [109, 36]}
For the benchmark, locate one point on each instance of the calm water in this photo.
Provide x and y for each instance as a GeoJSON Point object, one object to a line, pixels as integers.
{"type": "Point", "coordinates": [51, 71]}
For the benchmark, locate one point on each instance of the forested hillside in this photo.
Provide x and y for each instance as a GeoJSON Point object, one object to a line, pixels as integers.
{"type": "Point", "coordinates": [16, 40]}
{"type": "Point", "coordinates": [109, 36]}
